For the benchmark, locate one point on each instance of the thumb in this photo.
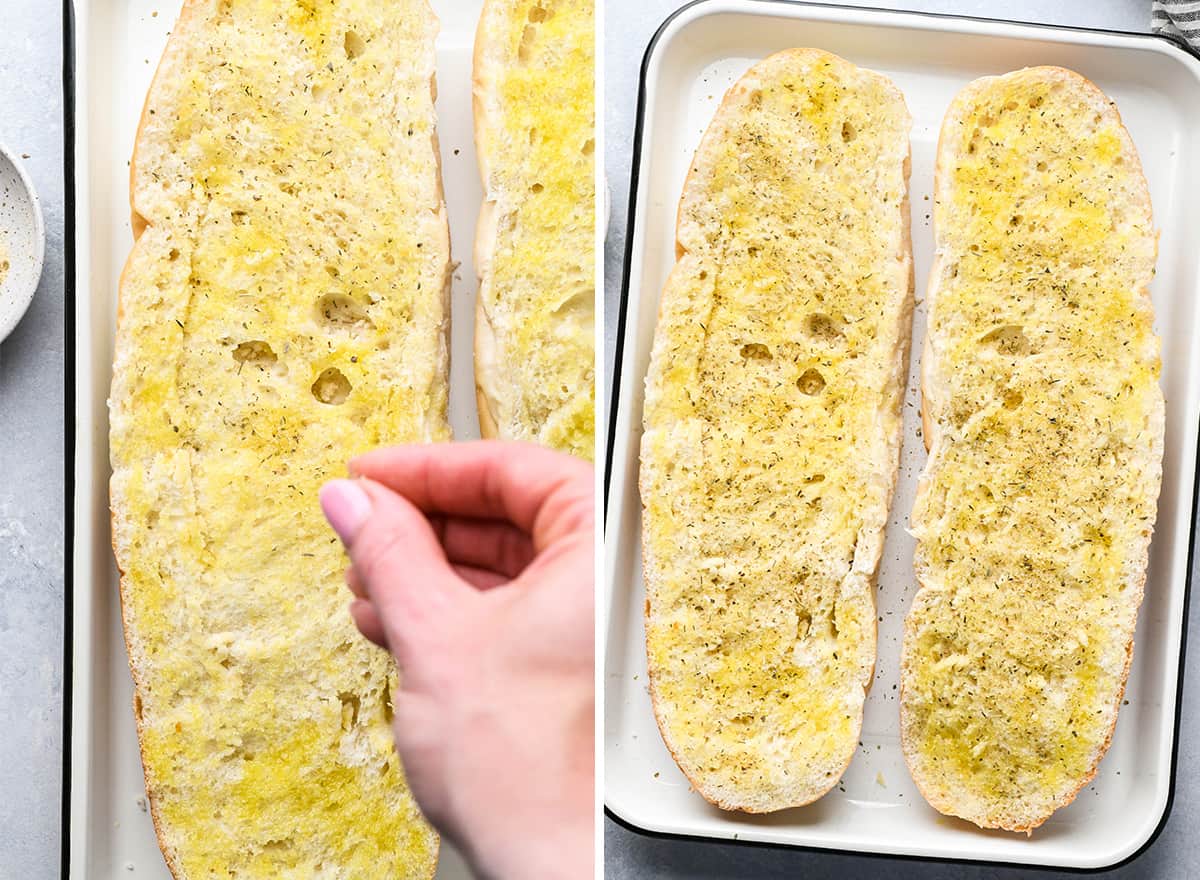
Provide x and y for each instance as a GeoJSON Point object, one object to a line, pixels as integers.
{"type": "Point", "coordinates": [398, 559]}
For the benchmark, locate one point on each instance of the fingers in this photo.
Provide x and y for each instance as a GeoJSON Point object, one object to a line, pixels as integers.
{"type": "Point", "coordinates": [490, 544]}
{"type": "Point", "coordinates": [539, 491]}
{"type": "Point", "coordinates": [481, 578]}
{"type": "Point", "coordinates": [354, 582]}
{"type": "Point", "coordinates": [398, 561]}
{"type": "Point", "coordinates": [362, 612]}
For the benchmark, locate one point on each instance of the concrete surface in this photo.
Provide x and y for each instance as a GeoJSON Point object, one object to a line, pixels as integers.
{"type": "Point", "coordinates": [32, 472]}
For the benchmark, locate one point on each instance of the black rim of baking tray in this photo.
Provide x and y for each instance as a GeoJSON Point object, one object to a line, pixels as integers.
{"type": "Point", "coordinates": [68, 49]}
{"type": "Point", "coordinates": [615, 386]}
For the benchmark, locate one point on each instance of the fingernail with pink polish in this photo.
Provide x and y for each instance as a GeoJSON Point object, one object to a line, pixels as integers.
{"type": "Point", "coordinates": [346, 506]}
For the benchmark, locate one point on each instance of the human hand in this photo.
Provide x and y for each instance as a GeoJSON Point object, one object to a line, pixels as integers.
{"type": "Point", "coordinates": [473, 564]}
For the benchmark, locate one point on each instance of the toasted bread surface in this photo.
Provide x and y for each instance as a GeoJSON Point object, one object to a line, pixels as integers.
{"type": "Point", "coordinates": [284, 307]}
{"type": "Point", "coordinates": [535, 246]}
{"type": "Point", "coordinates": [1044, 420]}
{"type": "Point", "coordinates": [772, 429]}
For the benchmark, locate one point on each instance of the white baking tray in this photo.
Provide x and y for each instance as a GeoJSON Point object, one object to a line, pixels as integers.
{"type": "Point", "coordinates": [117, 44]}
{"type": "Point", "coordinates": [695, 57]}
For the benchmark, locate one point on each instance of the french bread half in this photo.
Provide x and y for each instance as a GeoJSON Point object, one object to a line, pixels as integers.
{"type": "Point", "coordinates": [772, 429]}
{"type": "Point", "coordinates": [535, 246]}
{"type": "Point", "coordinates": [284, 307]}
{"type": "Point", "coordinates": [1044, 421]}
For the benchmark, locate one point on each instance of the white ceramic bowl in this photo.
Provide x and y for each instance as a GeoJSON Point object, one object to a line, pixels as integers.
{"type": "Point", "coordinates": [22, 241]}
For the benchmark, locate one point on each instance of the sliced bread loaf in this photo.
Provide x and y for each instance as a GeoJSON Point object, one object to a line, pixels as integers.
{"type": "Point", "coordinates": [535, 248]}
{"type": "Point", "coordinates": [772, 429]}
{"type": "Point", "coordinates": [1044, 421]}
{"type": "Point", "coordinates": [283, 308]}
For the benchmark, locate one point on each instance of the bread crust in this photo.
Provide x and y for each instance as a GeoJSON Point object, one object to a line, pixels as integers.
{"type": "Point", "coordinates": [941, 800]}
{"type": "Point", "coordinates": [189, 20]}
{"type": "Point", "coordinates": [898, 379]}
{"type": "Point", "coordinates": [189, 23]}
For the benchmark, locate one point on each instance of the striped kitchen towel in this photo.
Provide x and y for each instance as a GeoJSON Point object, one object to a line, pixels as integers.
{"type": "Point", "coordinates": [1178, 18]}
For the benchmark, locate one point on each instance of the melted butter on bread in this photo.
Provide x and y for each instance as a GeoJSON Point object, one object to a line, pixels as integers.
{"type": "Point", "coordinates": [1039, 498]}
{"type": "Point", "coordinates": [283, 310]}
{"type": "Point", "coordinates": [536, 138]}
{"type": "Point", "coordinates": [772, 429]}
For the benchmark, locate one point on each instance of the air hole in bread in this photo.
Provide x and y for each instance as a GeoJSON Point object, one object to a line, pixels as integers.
{"type": "Point", "coordinates": [1036, 101]}
{"type": "Point", "coordinates": [354, 45]}
{"type": "Point", "coordinates": [815, 478]}
{"type": "Point", "coordinates": [1011, 105]}
{"type": "Point", "coordinates": [536, 188]}
{"type": "Point", "coordinates": [137, 706]}
{"type": "Point", "coordinates": [388, 712]}
{"type": "Point", "coordinates": [350, 706]}
{"type": "Point", "coordinates": [1041, 166]}
{"type": "Point", "coordinates": [173, 255]}
{"type": "Point", "coordinates": [756, 351]}
{"type": "Point", "coordinates": [339, 311]}
{"type": "Point", "coordinates": [756, 98]}
{"type": "Point", "coordinates": [1009, 339]}
{"type": "Point", "coordinates": [533, 134]}
{"type": "Point", "coordinates": [811, 382]}
{"type": "Point", "coordinates": [573, 303]}
{"type": "Point", "coordinates": [1013, 399]}
{"type": "Point", "coordinates": [818, 164]}
{"type": "Point", "coordinates": [703, 274]}
{"type": "Point", "coordinates": [589, 147]}
{"type": "Point", "coordinates": [331, 387]}
{"type": "Point", "coordinates": [525, 49]}
{"type": "Point", "coordinates": [238, 218]}
{"type": "Point", "coordinates": [537, 13]}
{"type": "Point", "coordinates": [319, 92]}
{"type": "Point", "coordinates": [1015, 220]}
{"type": "Point", "coordinates": [823, 327]}
{"type": "Point", "coordinates": [849, 133]}
{"type": "Point", "coordinates": [257, 353]}
{"type": "Point", "coordinates": [752, 251]}
{"type": "Point", "coordinates": [803, 625]}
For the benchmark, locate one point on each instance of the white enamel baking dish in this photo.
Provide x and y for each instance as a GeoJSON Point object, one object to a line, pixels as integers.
{"type": "Point", "coordinates": [116, 47]}
{"type": "Point", "coordinates": [695, 57]}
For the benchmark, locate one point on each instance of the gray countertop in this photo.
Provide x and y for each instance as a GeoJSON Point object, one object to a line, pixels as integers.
{"type": "Point", "coordinates": [32, 472]}
{"type": "Point", "coordinates": [1176, 854]}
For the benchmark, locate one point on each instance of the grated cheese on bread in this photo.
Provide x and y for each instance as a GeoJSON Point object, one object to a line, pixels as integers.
{"type": "Point", "coordinates": [535, 246]}
{"type": "Point", "coordinates": [1044, 420]}
{"type": "Point", "coordinates": [772, 429]}
{"type": "Point", "coordinates": [284, 307]}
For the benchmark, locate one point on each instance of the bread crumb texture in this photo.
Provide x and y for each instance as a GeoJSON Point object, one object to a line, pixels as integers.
{"type": "Point", "coordinates": [772, 429]}
{"type": "Point", "coordinates": [1035, 511]}
{"type": "Point", "coordinates": [537, 136]}
{"type": "Point", "coordinates": [283, 309]}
